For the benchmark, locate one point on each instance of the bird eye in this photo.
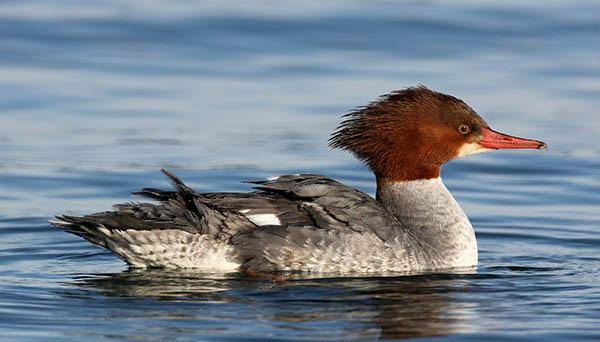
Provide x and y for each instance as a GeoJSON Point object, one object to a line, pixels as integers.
{"type": "Point", "coordinates": [464, 129]}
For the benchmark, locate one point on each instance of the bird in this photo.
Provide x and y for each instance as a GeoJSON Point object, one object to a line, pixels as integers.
{"type": "Point", "coordinates": [311, 223]}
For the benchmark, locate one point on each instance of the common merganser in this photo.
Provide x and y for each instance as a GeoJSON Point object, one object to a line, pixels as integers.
{"type": "Point", "coordinates": [311, 223]}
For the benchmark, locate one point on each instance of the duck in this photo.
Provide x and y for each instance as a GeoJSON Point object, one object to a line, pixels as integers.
{"type": "Point", "coordinates": [312, 223]}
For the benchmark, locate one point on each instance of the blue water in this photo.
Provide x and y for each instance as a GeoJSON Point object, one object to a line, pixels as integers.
{"type": "Point", "coordinates": [96, 96]}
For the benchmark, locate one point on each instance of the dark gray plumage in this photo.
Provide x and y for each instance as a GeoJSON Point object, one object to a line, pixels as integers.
{"type": "Point", "coordinates": [313, 211]}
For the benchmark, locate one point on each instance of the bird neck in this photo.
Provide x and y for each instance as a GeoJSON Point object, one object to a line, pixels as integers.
{"type": "Point", "coordinates": [431, 214]}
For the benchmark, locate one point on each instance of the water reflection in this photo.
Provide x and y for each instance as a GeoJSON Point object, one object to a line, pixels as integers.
{"type": "Point", "coordinates": [374, 307]}
{"type": "Point", "coordinates": [158, 284]}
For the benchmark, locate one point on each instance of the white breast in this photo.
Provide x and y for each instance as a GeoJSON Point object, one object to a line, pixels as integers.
{"type": "Point", "coordinates": [430, 212]}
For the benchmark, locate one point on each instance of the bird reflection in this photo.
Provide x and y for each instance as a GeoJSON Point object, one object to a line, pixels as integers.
{"type": "Point", "coordinates": [160, 284]}
{"type": "Point", "coordinates": [365, 307]}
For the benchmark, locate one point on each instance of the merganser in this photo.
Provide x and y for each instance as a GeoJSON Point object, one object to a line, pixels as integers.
{"type": "Point", "coordinates": [311, 223]}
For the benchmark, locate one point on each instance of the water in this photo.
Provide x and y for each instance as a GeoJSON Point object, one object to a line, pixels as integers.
{"type": "Point", "coordinates": [95, 96]}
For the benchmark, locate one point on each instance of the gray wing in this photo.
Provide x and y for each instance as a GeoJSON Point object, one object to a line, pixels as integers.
{"type": "Point", "coordinates": [332, 205]}
{"type": "Point", "coordinates": [345, 229]}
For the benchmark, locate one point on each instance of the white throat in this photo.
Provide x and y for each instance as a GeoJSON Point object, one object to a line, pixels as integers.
{"type": "Point", "coordinates": [471, 149]}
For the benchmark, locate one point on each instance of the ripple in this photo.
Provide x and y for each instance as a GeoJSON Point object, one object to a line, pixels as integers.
{"type": "Point", "coordinates": [96, 97]}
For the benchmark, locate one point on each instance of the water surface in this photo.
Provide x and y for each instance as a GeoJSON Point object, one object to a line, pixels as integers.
{"type": "Point", "coordinates": [95, 96]}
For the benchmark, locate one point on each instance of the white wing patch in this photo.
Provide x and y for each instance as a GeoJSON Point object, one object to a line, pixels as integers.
{"type": "Point", "coordinates": [264, 219]}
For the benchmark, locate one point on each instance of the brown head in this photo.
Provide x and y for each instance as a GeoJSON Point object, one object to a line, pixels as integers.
{"type": "Point", "coordinates": [409, 134]}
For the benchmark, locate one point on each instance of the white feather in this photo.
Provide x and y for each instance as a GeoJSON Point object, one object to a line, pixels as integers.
{"type": "Point", "coordinates": [264, 219]}
{"type": "Point", "coordinates": [470, 149]}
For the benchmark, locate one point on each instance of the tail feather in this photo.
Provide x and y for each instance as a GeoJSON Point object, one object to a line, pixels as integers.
{"type": "Point", "coordinates": [151, 234]}
{"type": "Point", "coordinates": [177, 210]}
{"type": "Point", "coordinates": [176, 182]}
{"type": "Point", "coordinates": [164, 195]}
{"type": "Point", "coordinates": [156, 194]}
{"type": "Point", "coordinates": [78, 226]}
